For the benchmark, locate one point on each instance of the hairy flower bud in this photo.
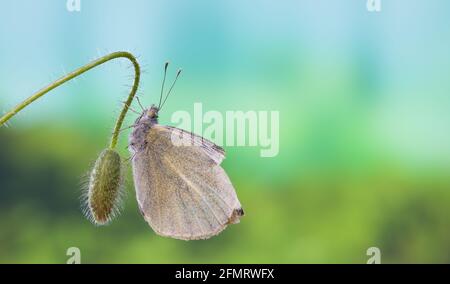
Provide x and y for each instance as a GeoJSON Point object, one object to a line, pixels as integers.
{"type": "Point", "coordinates": [104, 193]}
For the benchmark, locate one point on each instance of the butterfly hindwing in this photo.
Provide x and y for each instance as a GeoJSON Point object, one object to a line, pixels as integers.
{"type": "Point", "coordinates": [182, 190]}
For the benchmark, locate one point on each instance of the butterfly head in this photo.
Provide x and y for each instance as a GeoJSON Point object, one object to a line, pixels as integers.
{"type": "Point", "coordinates": [152, 112]}
{"type": "Point", "coordinates": [148, 117]}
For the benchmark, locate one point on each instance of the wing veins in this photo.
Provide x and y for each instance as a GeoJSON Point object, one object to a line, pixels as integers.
{"type": "Point", "coordinates": [189, 183]}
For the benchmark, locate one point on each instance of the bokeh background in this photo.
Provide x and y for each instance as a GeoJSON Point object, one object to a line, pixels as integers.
{"type": "Point", "coordinates": [364, 125]}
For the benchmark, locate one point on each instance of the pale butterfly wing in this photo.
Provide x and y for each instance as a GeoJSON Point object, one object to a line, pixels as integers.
{"type": "Point", "coordinates": [182, 191]}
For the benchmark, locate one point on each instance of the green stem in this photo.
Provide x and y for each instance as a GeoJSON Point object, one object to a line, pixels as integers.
{"type": "Point", "coordinates": [79, 71]}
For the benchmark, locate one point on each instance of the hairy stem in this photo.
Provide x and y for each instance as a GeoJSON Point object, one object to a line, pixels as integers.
{"type": "Point", "coordinates": [79, 71]}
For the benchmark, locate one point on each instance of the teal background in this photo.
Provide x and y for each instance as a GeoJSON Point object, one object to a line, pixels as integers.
{"type": "Point", "coordinates": [364, 125]}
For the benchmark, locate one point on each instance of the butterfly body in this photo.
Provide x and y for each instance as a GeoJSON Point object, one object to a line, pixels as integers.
{"type": "Point", "coordinates": [181, 189]}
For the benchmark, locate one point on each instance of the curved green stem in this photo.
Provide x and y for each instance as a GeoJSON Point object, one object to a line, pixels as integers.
{"type": "Point", "coordinates": [79, 71]}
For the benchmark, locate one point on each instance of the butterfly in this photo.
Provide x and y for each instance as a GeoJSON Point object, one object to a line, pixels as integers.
{"type": "Point", "coordinates": [181, 189]}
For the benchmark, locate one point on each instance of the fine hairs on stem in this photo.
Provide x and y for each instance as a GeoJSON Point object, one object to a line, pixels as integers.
{"type": "Point", "coordinates": [78, 72]}
{"type": "Point", "coordinates": [103, 195]}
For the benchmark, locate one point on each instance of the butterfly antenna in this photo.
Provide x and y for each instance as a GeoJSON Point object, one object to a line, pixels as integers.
{"type": "Point", "coordinates": [164, 81]}
{"type": "Point", "coordinates": [171, 87]}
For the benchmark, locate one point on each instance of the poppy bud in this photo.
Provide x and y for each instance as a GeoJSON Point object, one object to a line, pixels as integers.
{"type": "Point", "coordinates": [105, 188]}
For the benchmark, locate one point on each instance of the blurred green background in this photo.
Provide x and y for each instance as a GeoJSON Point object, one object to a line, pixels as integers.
{"type": "Point", "coordinates": [364, 125]}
